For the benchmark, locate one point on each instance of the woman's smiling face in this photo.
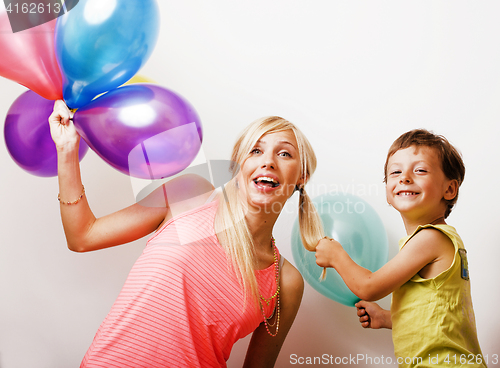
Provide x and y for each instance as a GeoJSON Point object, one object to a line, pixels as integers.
{"type": "Point", "coordinates": [271, 171]}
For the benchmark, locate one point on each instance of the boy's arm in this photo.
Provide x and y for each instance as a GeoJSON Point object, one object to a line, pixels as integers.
{"type": "Point", "coordinates": [426, 247]}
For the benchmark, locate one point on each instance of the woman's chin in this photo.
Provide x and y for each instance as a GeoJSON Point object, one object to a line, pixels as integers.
{"type": "Point", "coordinates": [266, 205]}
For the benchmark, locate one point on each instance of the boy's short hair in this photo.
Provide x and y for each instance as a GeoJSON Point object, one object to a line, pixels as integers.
{"type": "Point", "coordinates": [451, 159]}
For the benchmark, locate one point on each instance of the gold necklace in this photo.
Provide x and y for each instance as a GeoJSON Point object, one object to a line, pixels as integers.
{"type": "Point", "coordinates": [276, 295]}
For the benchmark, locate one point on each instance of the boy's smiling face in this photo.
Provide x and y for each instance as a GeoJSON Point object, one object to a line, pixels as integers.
{"type": "Point", "coordinates": [417, 186]}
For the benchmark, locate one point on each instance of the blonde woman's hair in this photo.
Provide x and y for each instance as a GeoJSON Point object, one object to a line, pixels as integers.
{"type": "Point", "coordinates": [230, 225]}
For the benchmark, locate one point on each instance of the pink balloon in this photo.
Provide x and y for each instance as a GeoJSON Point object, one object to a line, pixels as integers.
{"type": "Point", "coordinates": [28, 57]}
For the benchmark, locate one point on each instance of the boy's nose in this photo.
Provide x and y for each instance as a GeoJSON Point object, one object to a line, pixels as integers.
{"type": "Point", "coordinates": [405, 177]}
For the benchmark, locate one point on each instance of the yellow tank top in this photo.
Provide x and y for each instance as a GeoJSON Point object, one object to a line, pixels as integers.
{"type": "Point", "coordinates": [433, 323]}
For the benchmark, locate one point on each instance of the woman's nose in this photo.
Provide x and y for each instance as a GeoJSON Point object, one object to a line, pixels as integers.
{"type": "Point", "coordinates": [268, 161]}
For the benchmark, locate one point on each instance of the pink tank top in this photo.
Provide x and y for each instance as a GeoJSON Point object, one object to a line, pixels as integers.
{"type": "Point", "coordinates": [181, 306]}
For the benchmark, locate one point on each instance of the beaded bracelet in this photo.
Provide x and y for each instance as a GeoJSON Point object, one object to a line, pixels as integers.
{"type": "Point", "coordinates": [74, 202]}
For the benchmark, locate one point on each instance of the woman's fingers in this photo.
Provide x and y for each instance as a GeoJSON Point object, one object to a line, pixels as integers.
{"type": "Point", "coordinates": [60, 114]}
{"type": "Point", "coordinates": [62, 129]}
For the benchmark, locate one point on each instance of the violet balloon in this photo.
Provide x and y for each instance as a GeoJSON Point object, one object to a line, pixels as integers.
{"type": "Point", "coordinates": [28, 57]}
{"type": "Point", "coordinates": [27, 135]}
{"type": "Point", "coordinates": [143, 130]}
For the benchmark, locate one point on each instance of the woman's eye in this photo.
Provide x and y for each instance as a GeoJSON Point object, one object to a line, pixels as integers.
{"type": "Point", "coordinates": [284, 154]}
{"type": "Point", "coordinates": [255, 151]}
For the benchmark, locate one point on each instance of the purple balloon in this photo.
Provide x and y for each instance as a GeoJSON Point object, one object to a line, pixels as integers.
{"type": "Point", "coordinates": [143, 130]}
{"type": "Point", "coordinates": [27, 135]}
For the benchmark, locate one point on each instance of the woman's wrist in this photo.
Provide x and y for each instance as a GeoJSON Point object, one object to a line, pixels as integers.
{"type": "Point", "coordinates": [68, 147]}
{"type": "Point", "coordinates": [68, 160]}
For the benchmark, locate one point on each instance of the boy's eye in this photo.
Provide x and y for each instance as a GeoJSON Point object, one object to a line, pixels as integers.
{"type": "Point", "coordinates": [421, 170]}
{"type": "Point", "coordinates": [395, 172]}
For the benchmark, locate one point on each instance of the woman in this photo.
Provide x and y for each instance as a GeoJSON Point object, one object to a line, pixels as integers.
{"type": "Point", "coordinates": [211, 273]}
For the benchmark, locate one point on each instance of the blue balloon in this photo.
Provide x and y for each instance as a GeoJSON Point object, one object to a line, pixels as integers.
{"type": "Point", "coordinates": [102, 44]}
{"type": "Point", "coordinates": [355, 224]}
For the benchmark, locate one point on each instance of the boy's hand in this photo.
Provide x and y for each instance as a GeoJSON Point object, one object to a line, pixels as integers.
{"type": "Point", "coordinates": [371, 315]}
{"type": "Point", "coordinates": [326, 252]}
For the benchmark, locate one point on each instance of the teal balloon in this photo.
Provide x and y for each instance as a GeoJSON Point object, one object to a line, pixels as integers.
{"type": "Point", "coordinates": [357, 226]}
{"type": "Point", "coordinates": [101, 44]}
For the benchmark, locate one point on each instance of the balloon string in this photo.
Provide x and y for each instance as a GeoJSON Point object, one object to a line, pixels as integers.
{"type": "Point", "coordinates": [322, 277]}
{"type": "Point", "coordinates": [148, 164]}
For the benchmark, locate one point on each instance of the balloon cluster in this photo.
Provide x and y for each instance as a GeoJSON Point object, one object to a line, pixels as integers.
{"type": "Point", "coordinates": [357, 226]}
{"type": "Point", "coordinates": [84, 56]}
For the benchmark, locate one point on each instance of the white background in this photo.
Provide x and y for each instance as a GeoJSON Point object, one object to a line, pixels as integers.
{"type": "Point", "coordinates": [353, 75]}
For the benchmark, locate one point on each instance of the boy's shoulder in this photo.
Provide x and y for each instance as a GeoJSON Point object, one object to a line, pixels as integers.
{"type": "Point", "coordinates": [436, 247]}
{"type": "Point", "coordinates": [432, 237]}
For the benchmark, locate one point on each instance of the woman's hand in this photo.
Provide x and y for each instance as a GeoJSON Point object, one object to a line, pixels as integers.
{"type": "Point", "coordinates": [371, 315]}
{"type": "Point", "coordinates": [326, 252]}
{"type": "Point", "coordinates": [62, 129]}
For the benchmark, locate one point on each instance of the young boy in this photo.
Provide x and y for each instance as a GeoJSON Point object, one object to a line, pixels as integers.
{"type": "Point", "coordinates": [431, 314]}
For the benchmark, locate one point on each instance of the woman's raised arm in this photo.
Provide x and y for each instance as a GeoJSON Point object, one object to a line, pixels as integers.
{"type": "Point", "coordinates": [84, 232]}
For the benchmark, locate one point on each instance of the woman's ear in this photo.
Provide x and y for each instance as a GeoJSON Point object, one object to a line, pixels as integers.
{"type": "Point", "coordinates": [451, 190]}
{"type": "Point", "coordinates": [302, 181]}
{"type": "Point", "coordinates": [300, 184]}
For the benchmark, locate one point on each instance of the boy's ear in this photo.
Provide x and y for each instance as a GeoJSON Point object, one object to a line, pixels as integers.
{"type": "Point", "coordinates": [452, 190]}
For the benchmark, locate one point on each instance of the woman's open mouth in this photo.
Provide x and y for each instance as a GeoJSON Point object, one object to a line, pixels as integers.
{"type": "Point", "coordinates": [266, 182]}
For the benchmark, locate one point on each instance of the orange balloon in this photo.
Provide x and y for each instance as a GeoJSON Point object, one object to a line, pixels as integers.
{"type": "Point", "coordinates": [139, 79]}
{"type": "Point", "coordinates": [135, 79]}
